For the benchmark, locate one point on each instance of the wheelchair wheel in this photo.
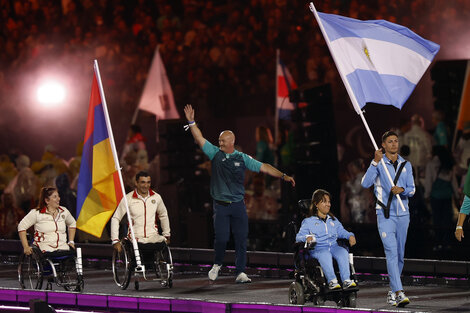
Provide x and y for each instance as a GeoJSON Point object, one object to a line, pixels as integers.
{"type": "Point", "coordinates": [164, 267]}
{"type": "Point", "coordinates": [318, 300]}
{"type": "Point", "coordinates": [350, 300]}
{"type": "Point", "coordinates": [296, 293]}
{"type": "Point", "coordinates": [68, 276]}
{"type": "Point", "coordinates": [30, 271]}
{"type": "Point", "coordinates": [121, 266]}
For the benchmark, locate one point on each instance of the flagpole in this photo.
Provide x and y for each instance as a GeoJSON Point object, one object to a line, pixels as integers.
{"type": "Point", "coordinates": [353, 98]}
{"type": "Point", "coordinates": [276, 109]}
{"type": "Point", "coordinates": [467, 72]}
{"type": "Point", "coordinates": [140, 267]}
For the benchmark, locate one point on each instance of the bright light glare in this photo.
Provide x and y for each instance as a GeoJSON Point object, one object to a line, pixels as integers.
{"type": "Point", "coordinates": [51, 93]}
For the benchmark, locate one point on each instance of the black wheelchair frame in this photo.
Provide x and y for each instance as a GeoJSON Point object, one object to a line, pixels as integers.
{"type": "Point", "coordinates": [155, 257]}
{"type": "Point", "coordinates": [61, 267]}
{"type": "Point", "coordinates": [310, 283]}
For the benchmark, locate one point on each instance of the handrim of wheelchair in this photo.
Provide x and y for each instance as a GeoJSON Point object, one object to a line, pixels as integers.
{"type": "Point", "coordinates": [157, 265]}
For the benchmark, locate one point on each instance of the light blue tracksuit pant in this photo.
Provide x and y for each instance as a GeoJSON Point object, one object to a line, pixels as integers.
{"type": "Point", "coordinates": [325, 256]}
{"type": "Point", "coordinates": [393, 233]}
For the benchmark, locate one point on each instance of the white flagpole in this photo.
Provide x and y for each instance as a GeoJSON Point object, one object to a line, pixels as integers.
{"type": "Point", "coordinates": [276, 109]}
{"type": "Point", "coordinates": [140, 267]}
{"type": "Point", "coordinates": [353, 98]}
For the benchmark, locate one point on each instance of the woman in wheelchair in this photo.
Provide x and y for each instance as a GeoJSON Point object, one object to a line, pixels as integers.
{"type": "Point", "coordinates": [50, 247]}
{"type": "Point", "coordinates": [323, 229]}
{"type": "Point", "coordinates": [50, 221]}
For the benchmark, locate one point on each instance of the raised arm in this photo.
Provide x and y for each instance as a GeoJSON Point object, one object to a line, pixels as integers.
{"type": "Point", "coordinates": [195, 131]}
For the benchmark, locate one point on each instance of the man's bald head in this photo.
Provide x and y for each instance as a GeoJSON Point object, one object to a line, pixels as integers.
{"type": "Point", "coordinates": [227, 141]}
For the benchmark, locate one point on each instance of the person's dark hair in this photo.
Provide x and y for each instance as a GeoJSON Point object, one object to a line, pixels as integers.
{"type": "Point", "coordinates": [45, 193]}
{"type": "Point", "coordinates": [141, 174]}
{"type": "Point", "coordinates": [388, 134]}
{"type": "Point", "coordinates": [445, 157]}
{"type": "Point", "coordinates": [136, 128]}
{"type": "Point", "coordinates": [317, 197]}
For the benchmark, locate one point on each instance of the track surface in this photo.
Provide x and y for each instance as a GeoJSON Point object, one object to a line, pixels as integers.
{"type": "Point", "coordinates": [372, 294]}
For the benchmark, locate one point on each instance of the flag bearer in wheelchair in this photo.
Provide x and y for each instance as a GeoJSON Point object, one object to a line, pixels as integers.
{"type": "Point", "coordinates": [145, 206]}
{"type": "Point", "coordinates": [323, 228]}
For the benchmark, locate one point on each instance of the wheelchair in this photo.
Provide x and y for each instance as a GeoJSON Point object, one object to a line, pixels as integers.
{"type": "Point", "coordinates": [62, 267]}
{"type": "Point", "coordinates": [157, 261]}
{"type": "Point", "coordinates": [310, 282]}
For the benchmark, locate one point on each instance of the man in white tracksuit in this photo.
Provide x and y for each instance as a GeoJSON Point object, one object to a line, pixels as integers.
{"type": "Point", "coordinates": [145, 206]}
{"type": "Point", "coordinates": [392, 219]}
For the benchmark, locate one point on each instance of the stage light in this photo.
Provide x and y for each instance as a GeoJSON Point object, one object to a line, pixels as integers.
{"type": "Point", "coordinates": [51, 93]}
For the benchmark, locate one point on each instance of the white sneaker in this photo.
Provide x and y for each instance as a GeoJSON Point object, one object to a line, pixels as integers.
{"type": "Point", "coordinates": [402, 299]}
{"type": "Point", "coordinates": [333, 284]}
{"type": "Point", "coordinates": [242, 279]}
{"type": "Point", "coordinates": [349, 284]}
{"type": "Point", "coordinates": [214, 272]}
{"type": "Point", "coordinates": [391, 298]}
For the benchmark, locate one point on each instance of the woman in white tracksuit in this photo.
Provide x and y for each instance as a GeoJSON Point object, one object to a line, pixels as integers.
{"type": "Point", "coordinates": [325, 229]}
{"type": "Point", "coordinates": [51, 223]}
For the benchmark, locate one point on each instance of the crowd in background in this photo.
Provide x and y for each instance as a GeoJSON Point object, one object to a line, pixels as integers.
{"type": "Point", "coordinates": [221, 54]}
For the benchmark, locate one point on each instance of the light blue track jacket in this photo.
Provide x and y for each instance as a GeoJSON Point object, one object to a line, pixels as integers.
{"type": "Point", "coordinates": [326, 233]}
{"type": "Point", "coordinates": [376, 176]}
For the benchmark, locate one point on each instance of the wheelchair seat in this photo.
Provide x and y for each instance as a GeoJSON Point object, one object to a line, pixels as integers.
{"type": "Point", "coordinates": [156, 257]}
{"type": "Point", "coordinates": [61, 267]}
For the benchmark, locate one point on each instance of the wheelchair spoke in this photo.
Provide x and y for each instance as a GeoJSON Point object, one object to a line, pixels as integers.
{"type": "Point", "coordinates": [68, 275]}
{"type": "Point", "coordinates": [30, 272]}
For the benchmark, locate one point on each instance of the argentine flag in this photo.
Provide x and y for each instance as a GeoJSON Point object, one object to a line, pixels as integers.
{"type": "Point", "coordinates": [381, 61]}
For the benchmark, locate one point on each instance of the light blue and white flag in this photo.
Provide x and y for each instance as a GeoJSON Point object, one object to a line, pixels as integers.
{"type": "Point", "coordinates": [381, 61]}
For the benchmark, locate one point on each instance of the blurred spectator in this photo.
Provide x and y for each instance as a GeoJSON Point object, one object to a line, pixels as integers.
{"type": "Point", "coordinates": [66, 184]}
{"type": "Point", "coordinates": [419, 142]}
{"type": "Point", "coordinates": [359, 199]}
{"type": "Point", "coordinates": [7, 171]}
{"type": "Point", "coordinates": [10, 216]}
{"type": "Point", "coordinates": [462, 151]}
{"type": "Point", "coordinates": [264, 151]}
{"type": "Point", "coordinates": [440, 186]}
{"type": "Point", "coordinates": [135, 143]}
{"type": "Point", "coordinates": [441, 132]}
{"type": "Point", "coordinates": [24, 186]}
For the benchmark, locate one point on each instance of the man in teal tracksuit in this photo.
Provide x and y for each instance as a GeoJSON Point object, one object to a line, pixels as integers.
{"type": "Point", "coordinates": [392, 218]}
{"type": "Point", "coordinates": [227, 189]}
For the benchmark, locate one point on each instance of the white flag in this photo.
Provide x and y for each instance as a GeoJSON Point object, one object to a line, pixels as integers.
{"type": "Point", "coordinates": [157, 97]}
